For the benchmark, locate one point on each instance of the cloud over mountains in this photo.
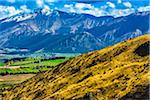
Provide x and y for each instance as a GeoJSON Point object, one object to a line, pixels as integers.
{"type": "Point", "coordinates": [98, 8]}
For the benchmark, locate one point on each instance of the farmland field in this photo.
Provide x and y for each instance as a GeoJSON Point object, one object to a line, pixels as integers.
{"type": "Point", "coordinates": [1, 64]}
{"type": "Point", "coordinates": [29, 65]}
{"type": "Point", "coordinates": [16, 71]}
{"type": "Point", "coordinates": [16, 68]}
{"type": "Point", "coordinates": [30, 62]}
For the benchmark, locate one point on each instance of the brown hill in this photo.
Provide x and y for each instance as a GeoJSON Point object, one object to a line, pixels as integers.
{"type": "Point", "coordinates": [116, 72]}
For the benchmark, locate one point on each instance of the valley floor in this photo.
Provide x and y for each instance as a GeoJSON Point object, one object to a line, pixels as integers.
{"type": "Point", "coordinates": [13, 72]}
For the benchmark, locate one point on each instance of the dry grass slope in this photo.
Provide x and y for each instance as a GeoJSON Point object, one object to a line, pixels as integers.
{"type": "Point", "coordinates": [116, 72]}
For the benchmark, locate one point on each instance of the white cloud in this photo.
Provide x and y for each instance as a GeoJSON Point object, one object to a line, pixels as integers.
{"type": "Point", "coordinates": [46, 7]}
{"type": "Point", "coordinates": [142, 9]}
{"type": "Point", "coordinates": [127, 4]}
{"type": "Point", "coordinates": [50, 1]}
{"type": "Point", "coordinates": [25, 8]}
{"type": "Point", "coordinates": [46, 10]}
{"type": "Point", "coordinates": [99, 11]}
{"type": "Point", "coordinates": [121, 12]}
{"type": "Point", "coordinates": [79, 8]}
{"type": "Point", "coordinates": [40, 3]}
{"type": "Point", "coordinates": [68, 6]}
{"type": "Point", "coordinates": [7, 11]}
{"type": "Point", "coordinates": [83, 5]}
{"type": "Point", "coordinates": [11, 1]}
{"type": "Point", "coordinates": [110, 4]}
{"type": "Point", "coordinates": [96, 12]}
{"type": "Point", "coordinates": [119, 1]}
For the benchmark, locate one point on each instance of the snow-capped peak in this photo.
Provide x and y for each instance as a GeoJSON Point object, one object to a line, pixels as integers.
{"type": "Point", "coordinates": [19, 17]}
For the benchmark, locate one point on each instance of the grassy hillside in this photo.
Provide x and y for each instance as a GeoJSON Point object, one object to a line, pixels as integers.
{"type": "Point", "coordinates": [116, 72]}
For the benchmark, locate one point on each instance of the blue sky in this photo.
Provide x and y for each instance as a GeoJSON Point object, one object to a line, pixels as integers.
{"type": "Point", "coordinates": [97, 8]}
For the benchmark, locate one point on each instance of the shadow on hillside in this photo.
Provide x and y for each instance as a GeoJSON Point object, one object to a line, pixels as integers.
{"type": "Point", "coordinates": [144, 95]}
{"type": "Point", "coordinates": [143, 50]}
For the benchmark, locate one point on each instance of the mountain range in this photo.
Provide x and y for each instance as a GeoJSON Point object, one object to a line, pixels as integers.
{"type": "Point", "coordinates": [57, 31]}
{"type": "Point", "coordinates": [119, 72]}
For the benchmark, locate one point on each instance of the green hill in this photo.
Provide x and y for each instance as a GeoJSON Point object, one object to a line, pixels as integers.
{"type": "Point", "coordinates": [116, 72]}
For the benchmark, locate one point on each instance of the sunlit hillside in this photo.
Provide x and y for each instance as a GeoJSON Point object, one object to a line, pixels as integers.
{"type": "Point", "coordinates": [116, 72]}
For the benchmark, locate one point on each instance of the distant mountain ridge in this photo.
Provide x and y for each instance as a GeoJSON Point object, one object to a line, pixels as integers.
{"type": "Point", "coordinates": [57, 31]}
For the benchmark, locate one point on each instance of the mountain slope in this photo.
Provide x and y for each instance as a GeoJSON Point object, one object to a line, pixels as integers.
{"type": "Point", "coordinates": [116, 72]}
{"type": "Point", "coordinates": [34, 31]}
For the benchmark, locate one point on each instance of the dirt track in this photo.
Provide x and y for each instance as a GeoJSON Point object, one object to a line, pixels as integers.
{"type": "Point", "coordinates": [11, 67]}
